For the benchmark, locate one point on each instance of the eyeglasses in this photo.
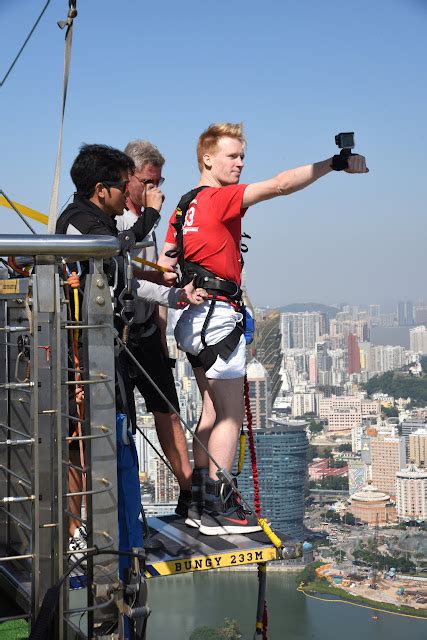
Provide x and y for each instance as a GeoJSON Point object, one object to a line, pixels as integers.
{"type": "Point", "coordinates": [145, 181]}
{"type": "Point", "coordinates": [122, 185]}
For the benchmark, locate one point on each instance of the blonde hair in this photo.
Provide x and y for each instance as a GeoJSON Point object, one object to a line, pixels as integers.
{"type": "Point", "coordinates": [209, 138]}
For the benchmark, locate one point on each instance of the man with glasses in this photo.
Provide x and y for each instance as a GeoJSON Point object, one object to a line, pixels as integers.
{"type": "Point", "coordinates": [102, 175]}
{"type": "Point", "coordinates": [146, 339]}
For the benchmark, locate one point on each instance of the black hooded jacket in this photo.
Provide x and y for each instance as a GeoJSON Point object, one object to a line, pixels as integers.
{"type": "Point", "coordinates": [87, 218]}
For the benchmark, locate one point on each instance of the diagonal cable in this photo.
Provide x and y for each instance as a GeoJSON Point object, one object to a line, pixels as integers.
{"type": "Point", "coordinates": [25, 43]}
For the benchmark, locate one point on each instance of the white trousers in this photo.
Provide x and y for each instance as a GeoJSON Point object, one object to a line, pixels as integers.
{"type": "Point", "coordinates": [224, 318]}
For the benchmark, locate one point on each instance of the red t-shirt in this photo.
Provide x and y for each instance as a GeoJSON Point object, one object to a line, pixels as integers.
{"type": "Point", "coordinates": [212, 230]}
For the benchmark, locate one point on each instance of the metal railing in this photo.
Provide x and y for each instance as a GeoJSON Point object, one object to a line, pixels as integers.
{"type": "Point", "coordinates": [34, 435]}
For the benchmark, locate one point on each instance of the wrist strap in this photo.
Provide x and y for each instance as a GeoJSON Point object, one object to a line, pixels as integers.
{"type": "Point", "coordinates": [340, 161]}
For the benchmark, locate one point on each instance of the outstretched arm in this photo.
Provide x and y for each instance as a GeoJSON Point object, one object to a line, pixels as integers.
{"type": "Point", "coordinates": [288, 182]}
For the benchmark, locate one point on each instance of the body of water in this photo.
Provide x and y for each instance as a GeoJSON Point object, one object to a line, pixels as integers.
{"type": "Point", "coordinates": [180, 604]}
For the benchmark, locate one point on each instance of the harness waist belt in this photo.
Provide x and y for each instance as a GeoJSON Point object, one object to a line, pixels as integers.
{"type": "Point", "coordinates": [209, 281]}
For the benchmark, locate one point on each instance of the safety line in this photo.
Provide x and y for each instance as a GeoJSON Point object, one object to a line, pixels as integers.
{"type": "Point", "coordinates": [181, 419]}
{"type": "Point", "coordinates": [363, 606]}
{"type": "Point", "coordinates": [25, 43]}
{"type": "Point", "coordinates": [68, 22]}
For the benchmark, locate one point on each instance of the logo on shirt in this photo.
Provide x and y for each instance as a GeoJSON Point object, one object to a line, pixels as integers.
{"type": "Point", "coordinates": [189, 218]}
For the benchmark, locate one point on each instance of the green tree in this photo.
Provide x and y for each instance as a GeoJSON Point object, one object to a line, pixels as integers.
{"type": "Point", "coordinates": [332, 516]}
{"type": "Point", "coordinates": [333, 483]}
{"type": "Point", "coordinates": [390, 412]}
{"type": "Point", "coordinates": [230, 630]}
{"type": "Point", "coordinates": [348, 518]}
{"type": "Point", "coordinates": [205, 633]}
{"type": "Point", "coordinates": [344, 447]}
{"type": "Point", "coordinates": [315, 427]}
{"type": "Point", "coordinates": [308, 574]}
{"type": "Point", "coordinates": [313, 452]}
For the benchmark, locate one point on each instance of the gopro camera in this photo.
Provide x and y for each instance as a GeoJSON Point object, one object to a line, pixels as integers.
{"type": "Point", "coordinates": [345, 140]}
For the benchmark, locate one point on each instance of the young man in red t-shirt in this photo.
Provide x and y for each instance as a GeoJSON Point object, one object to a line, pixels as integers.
{"type": "Point", "coordinates": [211, 239]}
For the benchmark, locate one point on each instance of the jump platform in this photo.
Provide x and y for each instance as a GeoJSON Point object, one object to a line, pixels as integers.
{"type": "Point", "coordinates": [173, 548]}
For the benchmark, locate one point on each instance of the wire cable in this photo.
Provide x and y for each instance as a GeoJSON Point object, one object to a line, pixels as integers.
{"type": "Point", "coordinates": [25, 44]}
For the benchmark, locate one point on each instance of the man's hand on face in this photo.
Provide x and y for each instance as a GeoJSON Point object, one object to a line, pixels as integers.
{"type": "Point", "coordinates": [356, 164]}
{"type": "Point", "coordinates": [153, 197]}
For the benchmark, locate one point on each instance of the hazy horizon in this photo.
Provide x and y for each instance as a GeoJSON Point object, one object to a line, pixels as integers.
{"type": "Point", "coordinates": [295, 73]}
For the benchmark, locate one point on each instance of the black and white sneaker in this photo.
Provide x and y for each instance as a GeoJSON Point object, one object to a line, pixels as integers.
{"type": "Point", "coordinates": [234, 520]}
{"type": "Point", "coordinates": [78, 544]}
{"type": "Point", "coordinates": [223, 514]}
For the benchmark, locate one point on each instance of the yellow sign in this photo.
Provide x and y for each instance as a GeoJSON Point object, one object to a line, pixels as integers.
{"type": "Point", "coordinates": [9, 286]}
{"type": "Point", "coordinates": [216, 561]}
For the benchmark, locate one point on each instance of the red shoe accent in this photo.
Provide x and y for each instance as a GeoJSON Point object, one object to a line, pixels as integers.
{"type": "Point", "coordinates": [241, 522]}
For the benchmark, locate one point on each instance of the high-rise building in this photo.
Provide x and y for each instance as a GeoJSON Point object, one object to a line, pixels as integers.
{"type": "Point", "coordinates": [374, 310]}
{"type": "Point", "coordinates": [417, 447]}
{"type": "Point", "coordinates": [259, 393]}
{"type": "Point", "coordinates": [410, 426]}
{"type": "Point", "coordinates": [301, 330]}
{"type": "Point", "coordinates": [420, 314]}
{"type": "Point", "coordinates": [356, 475]}
{"type": "Point", "coordinates": [388, 456]}
{"type": "Point", "coordinates": [418, 339]}
{"type": "Point", "coordinates": [347, 412]}
{"type": "Point", "coordinates": [266, 348]}
{"type": "Point", "coordinates": [165, 483]}
{"type": "Point", "coordinates": [304, 403]}
{"type": "Point", "coordinates": [405, 313]}
{"type": "Point", "coordinates": [282, 464]}
{"type": "Point", "coordinates": [353, 354]}
{"type": "Point", "coordinates": [341, 326]}
{"type": "Point", "coordinates": [411, 493]}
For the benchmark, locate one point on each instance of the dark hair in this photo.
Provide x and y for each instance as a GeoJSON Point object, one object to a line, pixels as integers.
{"type": "Point", "coordinates": [98, 163]}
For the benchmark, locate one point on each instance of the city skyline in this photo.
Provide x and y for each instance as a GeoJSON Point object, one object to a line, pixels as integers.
{"type": "Point", "coordinates": [346, 237]}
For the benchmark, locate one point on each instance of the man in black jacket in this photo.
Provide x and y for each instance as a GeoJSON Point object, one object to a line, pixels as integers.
{"type": "Point", "coordinates": [101, 176]}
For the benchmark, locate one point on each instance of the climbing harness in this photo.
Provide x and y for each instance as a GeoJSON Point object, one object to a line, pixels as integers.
{"type": "Point", "coordinates": [217, 288]}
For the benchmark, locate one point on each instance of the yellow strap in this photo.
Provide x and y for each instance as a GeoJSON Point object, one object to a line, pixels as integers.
{"type": "Point", "coordinates": [153, 265]}
{"type": "Point", "coordinates": [242, 447]}
{"type": "Point", "coordinates": [269, 532]}
{"type": "Point", "coordinates": [76, 313]}
{"type": "Point", "coordinates": [26, 211]}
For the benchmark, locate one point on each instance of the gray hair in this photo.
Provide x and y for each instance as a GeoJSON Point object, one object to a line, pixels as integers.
{"type": "Point", "coordinates": [143, 152]}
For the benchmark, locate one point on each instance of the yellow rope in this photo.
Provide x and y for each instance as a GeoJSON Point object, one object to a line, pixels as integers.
{"type": "Point", "coordinates": [76, 314]}
{"type": "Point", "coordinates": [242, 447]}
{"type": "Point", "coordinates": [269, 532]}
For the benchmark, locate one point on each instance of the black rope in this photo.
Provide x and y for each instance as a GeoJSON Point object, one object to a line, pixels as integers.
{"type": "Point", "coordinates": [162, 458]}
{"type": "Point", "coordinates": [25, 43]}
{"type": "Point", "coordinates": [42, 626]}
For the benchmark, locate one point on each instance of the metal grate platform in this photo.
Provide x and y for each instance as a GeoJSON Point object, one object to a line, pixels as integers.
{"type": "Point", "coordinates": [173, 548]}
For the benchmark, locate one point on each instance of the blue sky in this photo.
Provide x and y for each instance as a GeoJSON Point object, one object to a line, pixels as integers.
{"type": "Point", "coordinates": [295, 72]}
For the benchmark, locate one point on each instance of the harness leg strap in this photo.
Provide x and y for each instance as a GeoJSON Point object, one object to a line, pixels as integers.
{"type": "Point", "coordinates": [224, 348]}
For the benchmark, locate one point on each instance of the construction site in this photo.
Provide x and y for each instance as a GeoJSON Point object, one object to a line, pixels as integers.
{"type": "Point", "coordinates": [385, 587]}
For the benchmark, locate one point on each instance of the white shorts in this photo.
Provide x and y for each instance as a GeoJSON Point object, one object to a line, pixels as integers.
{"type": "Point", "coordinates": [224, 318]}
